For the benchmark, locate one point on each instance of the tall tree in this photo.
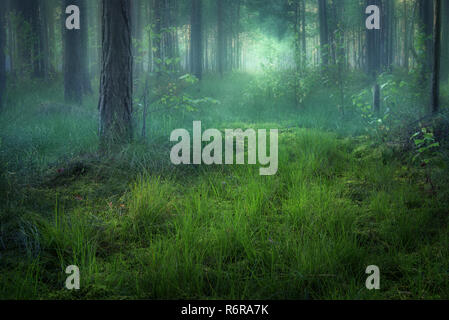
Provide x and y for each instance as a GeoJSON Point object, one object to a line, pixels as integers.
{"type": "Point", "coordinates": [426, 17]}
{"type": "Point", "coordinates": [73, 75]}
{"type": "Point", "coordinates": [136, 8]}
{"type": "Point", "coordinates": [2, 55]}
{"type": "Point", "coordinates": [76, 63]}
{"type": "Point", "coordinates": [28, 29]}
{"type": "Point", "coordinates": [435, 93]}
{"type": "Point", "coordinates": [86, 85]}
{"type": "Point", "coordinates": [116, 85]}
{"type": "Point", "coordinates": [374, 48]}
{"type": "Point", "coordinates": [445, 40]}
{"type": "Point", "coordinates": [43, 61]}
{"type": "Point", "coordinates": [196, 39]}
{"type": "Point", "coordinates": [221, 39]}
{"type": "Point", "coordinates": [156, 37]}
{"type": "Point", "coordinates": [303, 32]}
{"type": "Point", "coordinates": [324, 32]}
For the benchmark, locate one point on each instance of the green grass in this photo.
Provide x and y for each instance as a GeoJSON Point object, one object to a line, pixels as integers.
{"type": "Point", "coordinates": [139, 227]}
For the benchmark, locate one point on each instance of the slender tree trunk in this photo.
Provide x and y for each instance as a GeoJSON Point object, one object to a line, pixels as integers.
{"type": "Point", "coordinates": [221, 47]}
{"type": "Point", "coordinates": [73, 75]}
{"type": "Point", "coordinates": [406, 36]}
{"type": "Point", "coordinates": [445, 41]}
{"type": "Point", "coordinates": [324, 32]}
{"type": "Point", "coordinates": [28, 46]}
{"type": "Point", "coordinates": [196, 55]}
{"type": "Point", "coordinates": [435, 94]}
{"type": "Point", "coordinates": [303, 32]}
{"type": "Point", "coordinates": [137, 36]}
{"type": "Point", "coordinates": [115, 104]}
{"type": "Point", "coordinates": [157, 37]}
{"type": "Point", "coordinates": [44, 57]}
{"type": "Point", "coordinates": [2, 57]}
{"type": "Point", "coordinates": [86, 85]}
{"type": "Point", "coordinates": [426, 17]}
{"type": "Point", "coordinates": [51, 38]}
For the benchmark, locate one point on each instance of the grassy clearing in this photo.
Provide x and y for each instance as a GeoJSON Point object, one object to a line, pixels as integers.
{"type": "Point", "coordinates": [140, 228]}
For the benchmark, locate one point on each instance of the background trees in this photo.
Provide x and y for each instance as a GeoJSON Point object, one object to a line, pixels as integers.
{"type": "Point", "coordinates": [175, 37]}
{"type": "Point", "coordinates": [196, 39]}
{"type": "Point", "coordinates": [2, 56]}
{"type": "Point", "coordinates": [73, 59]}
{"type": "Point", "coordinates": [375, 159]}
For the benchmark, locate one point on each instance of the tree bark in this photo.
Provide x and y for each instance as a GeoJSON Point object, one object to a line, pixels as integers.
{"type": "Point", "coordinates": [436, 59]}
{"type": "Point", "coordinates": [28, 45]}
{"type": "Point", "coordinates": [324, 32]}
{"type": "Point", "coordinates": [157, 37]}
{"type": "Point", "coordinates": [426, 17]}
{"type": "Point", "coordinates": [86, 85]}
{"type": "Point", "coordinates": [73, 75]}
{"type": "Point", "coordinates": [196, 42]}
{"type": "Point", "coordinates": [115, 104]}
{"type": "Point", "coordinates": [2, 58]}
{"type": "Point", "coordinates": [221, 42]}
{"type": "Point", "coordinates": [137, 36]}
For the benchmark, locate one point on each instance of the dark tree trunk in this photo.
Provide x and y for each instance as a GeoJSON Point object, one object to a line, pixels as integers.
{"type": "Point", "coordinates": [324, 32]}
{"type": "Point", "coordinates": [196, 41]}
{"type": "Point", "coordinates": [73, 74]}
{"type": "Point", "coordinates": [303, 31]}
{"type": "Point", "coordinates": [221, 41]}
{"type": "Point", "coordinates": [406, 36]}
{"type": "Point", "coordinates": [157, 37]}
{"type": "Point", "coordinates": [150, 13]}
{"type": "Point", "coordinates": [50, 13]}
{"type": "Point", "coordinates": [28, 44]}
{"type": "Point", "coordinates": [86, 85]}
{"type": "Point", "coordinates": [435, 94]}
{"type": "Point", "coordinates": [445, 41]}
{"type": "Point", "coordinates": [376, 99]}
{"type": "Point", "coordinates": [374, 45]}
{"type": "Point", "coordinates": [2, 56]}
{"type": "Point", "coordinates": [43, 60]}
{"type": "Point", "coordinates": [374, 48]}
{"type": "Point", "coordinates": [115, 104]}
{"type": "Point", "coordinates": [426, 17]}
{"type": "Point", "coordinates": [137, 36]}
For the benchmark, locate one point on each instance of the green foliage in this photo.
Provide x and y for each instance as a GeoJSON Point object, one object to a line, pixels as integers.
{"type": "Point", "coordinates": [400, 103]}
{"type": "Point", "coordinates": [426, 146]}
{"type": "Point", "coordinates": [139, 227]}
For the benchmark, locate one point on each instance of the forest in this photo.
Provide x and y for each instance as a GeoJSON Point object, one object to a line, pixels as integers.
{"type": "Point", "coordinates": [102, 198]}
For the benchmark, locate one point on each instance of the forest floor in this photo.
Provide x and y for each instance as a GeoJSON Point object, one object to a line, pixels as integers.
{"type": "Point", "coordinates": [141, 228]}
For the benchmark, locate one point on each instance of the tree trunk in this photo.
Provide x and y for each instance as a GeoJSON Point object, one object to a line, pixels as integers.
{"type": "Point", "coordinates": [196, 55]}
{"type": "Point", "coordinates": [115, 104]}
{"type": "Point", "coordinates": [426, 17]}
{"type": "Point", "coordinates": [73, 75]}
{"type": "Point", "coordinates": [374, 45]}
{"type": "Point", "coordinates": [44, 59]}
{"type": "Point", "coordinates": [137, 36]}
{"type": "Point", "coordinates": [324, 32]}
{"type": "Point", "coordinates": [445, 41]}
{"type": "Point", "coordinates": [51, 38]}
{"type": "Point", "coordinates": [435, 94]}
{"type": "Point", "coordinates": [86, 86]}
{"type": "Point", "coordinates": [157, 37]}
{"type": "Point", "coordinates": [2, 59]}
{"type": "Point", "coordinates": [28, 45]}
{"type": "Point", "coordinates": [221, 46]}
{"type": "Point", "coordinates": [303, 30]}
{"type": "Point", "coordinates": [376, 99]}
